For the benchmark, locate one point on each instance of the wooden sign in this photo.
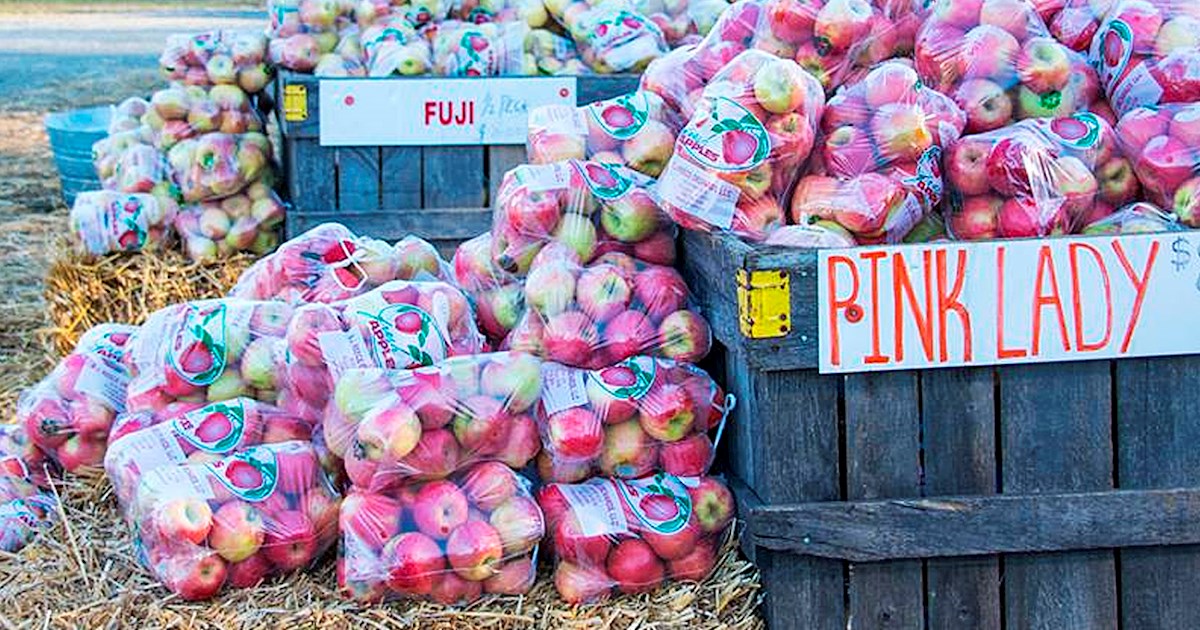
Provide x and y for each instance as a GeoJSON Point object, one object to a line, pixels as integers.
{"type": "Point", "coordinates": [1001, 302]}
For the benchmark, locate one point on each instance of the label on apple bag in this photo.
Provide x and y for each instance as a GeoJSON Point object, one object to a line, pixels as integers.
{"type": "Point", "coordinates": [628, 380]}
{"type": "Point", "coordinates": [605, 181]}
{"type": "Point", "coordinates": [558, 119]}
{"type": "Point", "coordinates": [344, 350]}
{"type": "Point", "coordinates": [543, 177]}
{"type": "Point", "coordinates": [145, 450]}
{"type": "Point", "coordinates": [622, 117]}
{"type": "Point", "coordinates": [250, 475]}
{"type": "Point", "coordinates": [699, 193]}
{"type": "Point", "coordinates": [108, 221]}
{"type": "Point", "coordinates": [596, 505]}
{"type": "Point", "coordinates": [175, 482]}
{"type": "Point", "coordinates": [1136, 89]}
{"type": "Point", "coordinates": [103, 382]}
{"type": "Point", "coordinates": [198, 350]}
{"type": "Point", "coordinates": [725, 136]}
{"type": "Point", "coordinates": [21, 518]}
{"type": "Point", "coordinates": [562, 388]}
{"type": "Point", "coordinates": [215, 428]}
{"type": "Point", "coordinates": [661, 502]}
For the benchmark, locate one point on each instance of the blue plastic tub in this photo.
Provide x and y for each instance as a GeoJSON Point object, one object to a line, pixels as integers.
{"type": "Point", "coordinates": [72, 135]}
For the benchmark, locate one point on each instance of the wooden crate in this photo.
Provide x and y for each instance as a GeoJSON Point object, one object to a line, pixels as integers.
{"type": "Point", "coordinates": [1057, 496]}
{"type": "Point", "coordinates": [441, 193]}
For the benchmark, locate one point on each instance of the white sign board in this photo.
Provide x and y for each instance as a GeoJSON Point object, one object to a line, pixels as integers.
{"type": "Point", "coordinates": [442, 111]}
{"type": "Point", "coordinates": [1002, 302]}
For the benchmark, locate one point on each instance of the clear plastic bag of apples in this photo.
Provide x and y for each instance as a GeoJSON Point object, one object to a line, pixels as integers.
{"type": "Point", "coordinates": [216, 165]}
{"type": "Point", "coordinates": [234, 521]}
{"type": "Point", "coordinates": [1161, 142]}
{"type": "Point", "coordinates": [448, 540]}
{"type": "Point", "coordinates": [180, 112]}
{"type": "Point", "coordinates": [427, 422]}
{"type": "Point", "coordinates": [27, 506]}
{"type": "Point", "coordinates": [499, 296]}
{"type": "Point", "coordinates": [628, 420]}
{"type": "Point", "coordinates": [631, 536]}
{"type": "Point", "coordinates": [106, 221]}
{"type": "Point", "coordinates": [217, 57]}
{"type": "Point", "coordinates": [599, 314]}
{"type": "Point", "coordinates": [1147, 53]}
{"type": "Point", "coordinates": [68, 414]}
{"type": "Point", "coordinates": [247, 221]}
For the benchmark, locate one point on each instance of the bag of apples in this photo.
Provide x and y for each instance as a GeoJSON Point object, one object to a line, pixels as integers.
{"type": "Point", "coordinates": [199, 435]}
{"type": "Point", "coordinates": [208, 350]}
{"type": "Point", "coordinates": [108, 151]}
{"type": "Point", "coordinates": [26, 506]}
{"type": "Point", "coordinates": [492, 49]}
{"type": "Point", "coordinates": [329, 263]}
{"type": "Point", "coordinates": [635, 130]}
{"type": "Point", "coordinates": [446, 540]}
{"type": "Point", "coordinates": [1037, 177]}
{"type": "Point", "coordinates": [247, 221]}
{"type": "Point", "coordinates": [1136, 218]}
{"type": "Point", "coordinates": [216, 165]}
{"type": "Point", "coordinates": [593, 316]}
{"type": "Point", "coordinates": [632, 536]}
{"type": "Point", "coordinates": [498, 296]}
{"type": "Point", "coordinates": [998, 61]}
{"type": "Point", "coordinates": [396, 326]}
{"type": "Point", "coordinates": [301, 30]}
{"type": "Point", "coordinates": [878, 171]}
{"type": "Point", "coordinates": [612, 35]}
{"type": "Point", "coordinates": [547, 52]}
{"type": "Point", "coordinates": [1162, 144]}
{"type": "Point", "coordinates": [105, 221]}
{"type": "Point", "coordinates": [1077, 22]}
{"type": "Point", "coordinates": [741, 152]}
{"type": "Point", "coordinates": [260, 512]}
{"type": "Point", "coordinates": [68, 413]}
{"type": "Point", "coordinates": [217, 58]}
{"type": "Point", "coordinates": [21, 458]}
{"type": "Point", "coordinates": [127, 115]}
{"type": "Point", "coordinates": [178, 113]}
{"type": "Point", "coordinates": [530, 12]}
{"type": "Point", "coordinates": [589, 207]}
{"type": "Point", "coordinates": [428, 422]}
{"type": "Point", "coordinates": [392, 46]}
{"type": "Point", "coordinates": [1147, 53]}
{"type": "Point", "coordinates": [682, 22]}
{"type": "Point", "coordinates": [628, 420]}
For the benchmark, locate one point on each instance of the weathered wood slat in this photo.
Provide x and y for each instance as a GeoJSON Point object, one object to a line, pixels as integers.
{"type": "Point", "coordinates": [429, 223]}
{"type": "Point", "coordinates": [312, 180]}
{"type": "Point", "coordinates": [357, 177]}
{"type": "Point", "coordinates": [1056, 429]}
{"type": "Point", "coordinates": [938, 527]}
{"type": "Point", "coordinates": [794, 460]}
{"type": "Point", "coordinates": [452, 177]}
{"type": "Point", "coordinates": [959, 426]}
{"type": "Point", "coordinates": [400, 177]}
{"type": "Point", "coordinates": [501, 159]}
{"type": "Point", "coordinates": [883, 460]}
{"type": "Point", "coordinates": [1157, 438]}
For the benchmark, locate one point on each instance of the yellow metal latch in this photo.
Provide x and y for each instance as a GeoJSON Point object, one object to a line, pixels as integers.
{"type": "Point", "coordinates": [295, 103]}
{"type": "Point", "coordinates": [764, 303]}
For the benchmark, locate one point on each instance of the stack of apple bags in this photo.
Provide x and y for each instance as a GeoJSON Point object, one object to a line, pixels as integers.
{"type": "Point", "coordinates": [481, 38]}
{"type": "Point", "coordinates": [193, 161]}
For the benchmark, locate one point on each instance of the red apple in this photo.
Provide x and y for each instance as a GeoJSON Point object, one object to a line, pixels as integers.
{"type": "Point", "coordinates": [668, 413]}
{"type": "Point", "coordinates": [440, 507]}
{"type": "Point", "coordinates": [635, 567]}
{"type": "Point", "coordinates": [474, 550]}
{"type": "Point", "coordinates": [249, 572]}
{"type": "Point", "coordinates": [449, 588]}
{"type": "Point", "coordinates": [488, 485]}
{"type": "Point", "coordinates": [696, 565]}
{"type": "Point", "coordinates": [518, 521]}
{"type": "Point", "coordinates": [574, 434]}
{"type": "Point", "coordinates": [628, 452]}
{"type": "Point", "coordinates": [372, 518]}
{"type": "Point", "coordinates": [689, 457]}
{"type": "Point", "coordinates": [674, 545]}
{"type": "Point", "coordinates": [291, 541]}
{"type": "Point", "coordinates": [196, 578]}
{"type": "Point", "coordinates": [573, 546]}
{"type": "Point", "coordinates": [413, 562]}
{"type": "Point", "coordinates": [237, 531]}
{"type": "Point", "coordinates": [514, 577]}
{"type": "Point", "coordinates": [187, 519]}
{"type": "Point", "coordinates": [578, 584]}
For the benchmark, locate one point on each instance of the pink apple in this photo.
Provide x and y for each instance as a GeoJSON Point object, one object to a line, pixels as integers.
{"type": "Point", "coordinates": [570, 338]}
{"type": "Point", "coordinates": [901, 132]}
{"type": "Point", "coordinates": [514, 577]}
{"type": "Point", "coordinates": [519, 523]}
{"type": "Point", "coordinates": [668, 413]}
{"type": "Point", "coordinates": [603, 291]}
{"type": "Point", "coordinates": [578, 584]}
{"type": "Point", "coordinates": [249, 572]}
{"type": "Point", "coordinates": [849, 151]}
{"type": "Point", "coordinates": [676, 544]}
{"type": "Point", "coordinates": [659, 291]}
{"type": "Point", "coordinates": [609, 408]}
{"type": "Point", "coordinates": [1011, 15]}
{"type": "Point", "coordinates": [696, 565]}
{"type": "Point", "coordinates": [684, 336]}
{"type": "Point", "coordinates": [635, 567]}
{"type": "Point", "coordinates": [440, 507]}
{"type": "Point", "coordinates": [1043, 65]}
{"type": "Point", "coordinates": [390, 431]}
{"type": "Point", "coordinates": [574, 434]}
{"type": "Point", "coordinates": [977, 219]}
{"type": "Point", "coordinates": [841, 23]}
{"type": "Point", "coordinates": [523, 443]}
{"type": "Point", "coordinates": [371, 518]}
{"type": "Point", "coordinates": [572, 545]}
{"type": "Point", "coordinates": [1139, 126]}
{"type": "Point", "coordinates": [648, 153]}
{"type": "Point", "coordinates": [237, 531]}
{"type": "Point", "coordinates": [291, 540]}
{"type": "Point", "coordinates": [474, 550]}
{"type": "Point", "coordinates": [413, 561]}
{"type": "Point", "coordinates": [184, 519]}
{"type": "Point", "coordinates": [448, 588]}
{"type": "Point", "coordinates": [555, 470]}
{"type": "Point", "coordinates": [627, 334]}
{"type": "Point", "coordinates": [489, 484]}
{"type": "Point", "coordinates": [550, 288]}
{"type": "Point", "coordinates": [628, 452]}
{"type": "Point", "coordinates": [196, 578]}
{"type": "Point", "coordinates": [1166, 161]}
{"type": "Point", "coordinates": [689, 457]}
{"type": "Point", "coordinates": [437, 454]}
{"type": "Point", "coordinates": [481, 424]}
{"type": "Point", "coordinates": [1185, 125]}
{"type": "Point", "coordinates": [1022, 217]}
{"type": "Point", "coordinates": [713, 504]}
{"type": "Point", "coordinates": [986, 104]}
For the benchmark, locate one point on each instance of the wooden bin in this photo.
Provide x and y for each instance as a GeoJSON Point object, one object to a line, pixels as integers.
{"type": "Point", "coordinates": [1056, 495]}
{"type": "Point", "coordinates": [441, 193]}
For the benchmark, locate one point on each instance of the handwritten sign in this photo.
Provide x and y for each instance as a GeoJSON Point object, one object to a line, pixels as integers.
{"type": "Point", "coordinates": [443, 111]}
{"type": "Point", "coordinates": [994, 303]}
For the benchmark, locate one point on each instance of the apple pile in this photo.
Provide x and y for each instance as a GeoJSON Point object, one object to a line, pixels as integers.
{"type": "Point", "coordinates": [998, 61]}
{"type": "Point", "coordinates": [878, 172]}
{"type": "Point", "coordinates": [26, 506]}
{"type": "Point", "coordinates": [611, 34]}
{"type": "Point", "coordinates": [140, 168]}
{"type": "Point", "coordinates": [127, 115]}
{"type": "Point", "coordinates": [263, 511]}
{"type": "Point", "coordinates": [682, 21]}
{"type": "Point", "coordinates": [428, 422]}
{"type": "Point", "coordinates": [667, 528]}
{"type": "Point", "coordinates": [818, 234]}
{"type": "Point", "coordinates": [107, 153]}
{"type": "Point", "coordinates": [628, 420]}
{"type": "Point", "coordinates": [636, 130]}
{"type": "Point", "coordinates": [498, 296]}
{"type": "Point", "coordinates": [1135, 218]}
{"type": "Point", "coordinates": [23, 463]}
{"type": "Point", "coordinates": [491, 49]}
{"type": "Point", "coordinates": [345, 60]}
{"type": "Point", "coordinates": [247, 221]}
{"type": "Point", "coordinates": [1037, 177]}
{"type": "Point", "coordinates": [1147, 53]}
{"type": "Point", "coordinates": [329, 263]}
{"type": "Point", "coordinates": [396, 326]}
{"type": "Point", "coordinates": [209, 350]}
{"type": "Point", "coordinates": [179, 113]}
{"type": "Point", "coordinates": [547, 52]}
{"type": "Point", "coordinates": [740, 153]}
{"type": "Point", "coordinates": [589, 207]}
{"type": "Point", "coordinates": [217, 58]}
{"type": "Point", "coordinates": [391, 45]}
{"type": "Point", "coordinates": [104, 221]}
{"type": "Point", "coordinates": [215, 165]}
{"type": "Point", "coordinates": [202, 434]}
{"type": "Point", "coordinates": [1077, 22]}
{"type": "Point", "coordinates": [593, 316]}
{"type": "Point", "coordinates": [446, 540]}
{"type": "Point", "coordinates": [530, 12]}
{"type": "Point", "coordinates": [68, 413]}
{"type": "Point", "coordinates": [300, 31]}
{"type": "Point", "coordinates": [1164, 144]}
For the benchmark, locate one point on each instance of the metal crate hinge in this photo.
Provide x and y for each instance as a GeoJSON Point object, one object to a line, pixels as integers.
{"type": "Point", "coordinates": [764, 303]}
{"type": "Point", "coordinates": [295, 103]}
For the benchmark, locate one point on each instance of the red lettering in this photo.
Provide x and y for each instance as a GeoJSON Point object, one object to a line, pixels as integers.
{"type": "Point", "coordinates": [1001, 351]}
{"type": "Point", "coordinates": [950, 302]}
{"type": "Point", "coordinates": [1046, 265]}
{"type": "Point", "coordinates": [924, 319]}
{"type": "Point", "coordinates": [838, 304]}
{"type": "Point", "coordinates": [429, 111]}
{"type": "Point", "coordinates": [445, 113]}
{"type": "Point", "coordinates": [876, 356]}
{"type": "Point", "coordinates": [1081, 344]}
{"type": "Point", "coordinates": [1139, 285]}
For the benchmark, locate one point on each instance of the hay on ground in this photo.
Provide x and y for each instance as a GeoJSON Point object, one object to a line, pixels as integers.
{"type": "Point", "coordinates": [81, 293]}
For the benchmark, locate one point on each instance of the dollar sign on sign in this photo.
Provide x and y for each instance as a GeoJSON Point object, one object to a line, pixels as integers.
{"type": "Point", "coordinates": [1182, 256]}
